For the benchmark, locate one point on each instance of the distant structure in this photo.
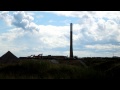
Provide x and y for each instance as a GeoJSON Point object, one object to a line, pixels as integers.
{"type": "Point", "coordinates": [71, 42]}
{"type": "Point", "coordinates": [8, 57]}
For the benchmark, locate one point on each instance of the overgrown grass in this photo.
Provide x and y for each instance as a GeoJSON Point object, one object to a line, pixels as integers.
{"type": "Point", "coordinates": [44, 69]}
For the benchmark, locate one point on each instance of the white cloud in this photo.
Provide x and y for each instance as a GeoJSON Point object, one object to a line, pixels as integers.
{"type": "Point", "coordinates": [103, 47]}
{"type": "Point", "coordinates": [96, 14]}
{"type": "Point", "coordinates": [24, 21]}
{"type": "Point", "coordinates": [4, 15]}
{"type": "Point", "coordinates": [54, 36]}
{"type": "Point", "coordinates": [63, 13]}
{"type": "Point", "coordinates": [11, 34]}
{"type": "Point", "coordinates": [98, 30]}
{"type": "Point", "coordinates": [20, 19]}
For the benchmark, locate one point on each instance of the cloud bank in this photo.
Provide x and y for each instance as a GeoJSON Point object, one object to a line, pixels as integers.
{"type": "Point", "coordinates": [96, 31]}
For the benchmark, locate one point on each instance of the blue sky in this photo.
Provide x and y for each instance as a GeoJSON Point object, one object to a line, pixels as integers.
{"type": "Point", "coordinates": [25, 33]}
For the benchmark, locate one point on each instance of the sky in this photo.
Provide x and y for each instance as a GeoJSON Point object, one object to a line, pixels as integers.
{"type": "Point", "coordinates": [25, 33]}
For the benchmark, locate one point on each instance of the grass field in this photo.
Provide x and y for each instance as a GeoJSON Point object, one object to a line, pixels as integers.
{"type": "Point", "coordinates": [65, 69]}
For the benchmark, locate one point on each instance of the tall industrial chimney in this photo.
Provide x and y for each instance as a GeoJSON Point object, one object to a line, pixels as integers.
{"type": "Point", "coordinates": [71, 42]}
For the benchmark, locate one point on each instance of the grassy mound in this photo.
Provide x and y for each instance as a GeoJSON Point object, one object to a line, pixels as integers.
{"type": "Point", "coordinates": [36, 69]}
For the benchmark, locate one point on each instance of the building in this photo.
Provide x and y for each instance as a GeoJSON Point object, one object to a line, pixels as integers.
{"type": "Point", "coordinates": [8, 57]}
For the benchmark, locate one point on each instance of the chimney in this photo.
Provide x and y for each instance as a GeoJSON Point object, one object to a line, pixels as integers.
{"type": "Point", "coordinates": [71, 42]}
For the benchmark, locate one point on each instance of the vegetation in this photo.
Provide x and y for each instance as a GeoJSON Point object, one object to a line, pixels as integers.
{"type": "Point", "coordinates": [44, 69]}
